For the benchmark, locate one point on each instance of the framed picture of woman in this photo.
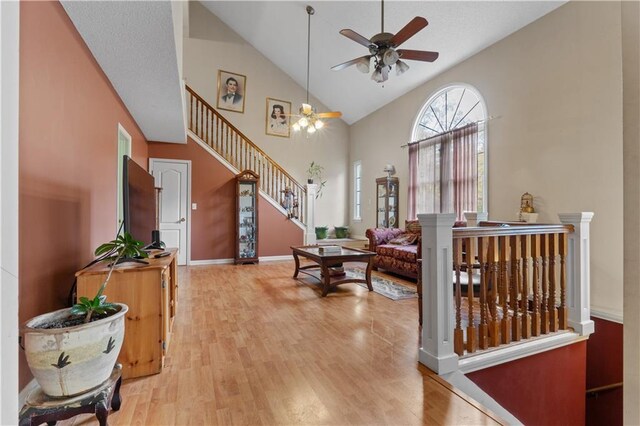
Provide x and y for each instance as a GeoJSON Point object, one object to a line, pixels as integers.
{"type": "Point", "coordinates": [232, 89]}
{"type": "Point", "coordinates": [277, 117]}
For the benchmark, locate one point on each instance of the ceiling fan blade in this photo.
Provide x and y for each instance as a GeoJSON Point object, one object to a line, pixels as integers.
{"type": "Point", "coordinates": [415, 25]}
{"type": "Point", "coordinates": [418, 55]}
{"type": "Point", "coordinates": [333, 114]}
{"type": "Point", "coordinates": [356, 37]}
{"type": "Point", "coordinates": [349, 63]}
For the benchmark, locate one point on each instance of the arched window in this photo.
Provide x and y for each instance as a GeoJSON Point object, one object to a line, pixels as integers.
{"type": "Point", "coordinates": [447, 172]}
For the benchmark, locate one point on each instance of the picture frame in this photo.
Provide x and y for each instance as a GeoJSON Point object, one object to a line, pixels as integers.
{"type": "Point", "coordinates": [226, 87]}
{"type": "Point", "coordinates": [277, 124]}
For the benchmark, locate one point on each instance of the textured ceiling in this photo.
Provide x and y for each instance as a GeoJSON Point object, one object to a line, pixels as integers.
{"type": "Point", "coordinates": [134, 44]}
{"type": "Point", "coordinates": [278, 29]}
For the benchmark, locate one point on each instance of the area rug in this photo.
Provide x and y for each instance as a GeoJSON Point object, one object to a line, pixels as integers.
{"type": "Point", "coordinates": [383, 286]}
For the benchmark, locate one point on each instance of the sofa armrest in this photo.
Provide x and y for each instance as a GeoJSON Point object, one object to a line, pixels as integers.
{"type": "Point", "coordinates": [378, 236]}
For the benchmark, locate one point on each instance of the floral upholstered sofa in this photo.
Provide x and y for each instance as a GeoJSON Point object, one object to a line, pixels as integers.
{"type": "Point", "coordinates": [397, 250]}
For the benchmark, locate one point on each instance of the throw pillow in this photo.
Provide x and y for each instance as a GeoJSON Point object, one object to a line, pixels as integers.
{"type": "Point", "coordinates": [404, 239]}
{"type": "Point", "coordinates": [413, 226]}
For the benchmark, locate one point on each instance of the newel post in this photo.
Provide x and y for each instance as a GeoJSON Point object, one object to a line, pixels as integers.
{"type": "Point", "coordinates": [578, 272]}
{"type": "Point", "coordinates": [437, 293]}
{"type": "Point", "coordinates": [310, 234]}
{"type": "Point", "coordinates": [473, 218]}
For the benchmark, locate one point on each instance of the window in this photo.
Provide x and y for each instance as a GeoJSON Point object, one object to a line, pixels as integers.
{"type": "Point", "coordinates": [357, 190]}
{"type": "Point", "coordinates": [124, 148]}
{"type": "Point", "coordinates": [447, 157]}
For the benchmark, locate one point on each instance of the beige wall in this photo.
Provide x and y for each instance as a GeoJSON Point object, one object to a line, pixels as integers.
{"type": "Point", "coordinates": [555, 87]}
{"type": "Point", "coordinates": [212, 46]}
{"type": "Point", "coordinates": [631, 104]}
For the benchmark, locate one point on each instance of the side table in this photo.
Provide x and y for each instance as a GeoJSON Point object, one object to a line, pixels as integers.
{"type": "Point", "coordinates": [40, 408]}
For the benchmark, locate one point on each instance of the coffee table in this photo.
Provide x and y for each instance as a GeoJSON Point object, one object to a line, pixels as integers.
{"type": "Point", "coordinates": [324, 261]}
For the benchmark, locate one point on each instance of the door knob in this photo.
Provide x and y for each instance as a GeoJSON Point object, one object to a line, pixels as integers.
{"type": "Point", "coordinates": [182, 220]}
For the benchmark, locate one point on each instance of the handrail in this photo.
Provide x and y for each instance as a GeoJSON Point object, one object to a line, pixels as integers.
{"type": "Point", "coordinates": [498, 231]}
{"type": "Point", "coordinates": [237, 149]}
{"type": "Point", "coordinates": [235, 129]}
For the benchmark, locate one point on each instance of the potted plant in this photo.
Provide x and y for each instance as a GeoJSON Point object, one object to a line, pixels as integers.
{"type": "Point", "coordinates": [73, 350]}
{"type": "Point", "coordinates": [321, 232]}
{"type": "Point", "coordinates": [315, 172]}
{"type": "Point", "coordinates": [342, 231]}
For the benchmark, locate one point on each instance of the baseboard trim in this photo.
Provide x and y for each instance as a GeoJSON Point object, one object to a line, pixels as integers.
{"type": "Point", "coordinates": [275, 258]}
{"type": "Point", "coordinates": [211, 262]}
{"type": "Point", "coordinates": [608, 316]}
{"type": "Point", "coordinates": [24, 393]}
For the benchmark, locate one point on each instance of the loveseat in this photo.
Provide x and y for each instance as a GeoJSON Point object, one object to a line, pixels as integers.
{"type": "Point", "coordinates": [397, 250]}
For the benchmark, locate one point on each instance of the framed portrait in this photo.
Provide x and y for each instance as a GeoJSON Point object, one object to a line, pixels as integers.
{"type": "Point", "coordinates": [278, 115]}
{"type": "Point", "coordinates": [232, 90]}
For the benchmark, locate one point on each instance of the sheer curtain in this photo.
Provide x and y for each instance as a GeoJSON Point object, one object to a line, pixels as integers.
{"type": "Point", "coordinates": [443, 173]}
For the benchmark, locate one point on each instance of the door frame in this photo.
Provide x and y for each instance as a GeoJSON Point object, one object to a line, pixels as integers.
{"type": "Point", "coordinates": [152, 162]}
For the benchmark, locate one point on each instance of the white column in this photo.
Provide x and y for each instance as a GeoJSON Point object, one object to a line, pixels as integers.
{"type": "Point", "coordinates": [578, 272]}
{"type": "Point", "coordinates": [437, 293]}
{"type": "Point", "coordinates": [473, 218]}
{"type": "Point", "coordinates": [9, 301]}
{"type": "Point", "coordinates": [310, 235]}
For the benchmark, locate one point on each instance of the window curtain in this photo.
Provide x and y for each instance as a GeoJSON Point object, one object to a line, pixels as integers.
{"type": "Point", "coordinates": [443, 173]}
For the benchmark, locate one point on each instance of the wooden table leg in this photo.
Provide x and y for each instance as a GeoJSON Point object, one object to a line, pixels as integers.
{"type": "Point", "coordinates": [368, 275]}
{"type": "Point", "coordinates": [326, 281]}
{"type": "Point", "coordinates": [295, 257]}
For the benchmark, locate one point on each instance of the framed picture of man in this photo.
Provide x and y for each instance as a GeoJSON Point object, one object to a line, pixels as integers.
{"type": "Point", "coordinates": [277, 117]}
{"type": "Point", "coordinates": [232, 89]}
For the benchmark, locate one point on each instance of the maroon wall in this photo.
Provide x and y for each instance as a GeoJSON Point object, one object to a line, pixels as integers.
{"type": "Point", "coordinates": [213, 223]}
{"type": "Point", "coordinates": [604, 367]}
{"type": "Point", "coordinates": [543, 389]}
{"type": "Point", "coordinates": [69, 115]}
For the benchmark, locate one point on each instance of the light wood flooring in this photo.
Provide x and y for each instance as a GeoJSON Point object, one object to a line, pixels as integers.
{"type": "Point", "coordinates": [252, 346]}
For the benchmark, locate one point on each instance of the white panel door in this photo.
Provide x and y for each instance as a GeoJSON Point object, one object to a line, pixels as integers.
{"type": "Point", "coordinates": [173, 177]}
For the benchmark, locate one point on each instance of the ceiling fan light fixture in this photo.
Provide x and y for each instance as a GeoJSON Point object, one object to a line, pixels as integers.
{"type": "Point", "coordinates": [377, 76]}
{"type": "Point", "coordinates": [363, 66]}
{"type": "Point", "coordinates": [295, 127]}
{"type": "Point", "coordinates": [318, 124]}
{"type": "Point", "coordinates": [303, 122]}
{"type": "Point", "coordinates": [306, 109]}
{"type": "Point", "coordinates": [401, 67]}
{"type": "Point", "coordinates": [311, 129]}
{"type": "Point", "coordinates": [390, 57]}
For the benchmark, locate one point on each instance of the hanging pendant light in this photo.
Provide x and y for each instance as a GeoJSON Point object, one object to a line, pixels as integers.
{"type": "Point", "coordinates": [309, 118]}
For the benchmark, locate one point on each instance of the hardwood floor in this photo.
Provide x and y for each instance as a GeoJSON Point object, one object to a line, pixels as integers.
{"type": "Point", "coordinates": [251, 345]}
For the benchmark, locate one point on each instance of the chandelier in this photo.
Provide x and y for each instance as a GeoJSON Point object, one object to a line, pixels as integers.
{"type": "Point", "coordinates": [310, 119]}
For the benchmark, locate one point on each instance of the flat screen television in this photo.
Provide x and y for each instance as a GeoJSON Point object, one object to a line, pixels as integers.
{"type": "Point", "coordinates": [139, 201]}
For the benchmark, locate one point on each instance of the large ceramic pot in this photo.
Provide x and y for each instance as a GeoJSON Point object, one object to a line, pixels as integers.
{"type": "Point", "coordinates": [72, 360]}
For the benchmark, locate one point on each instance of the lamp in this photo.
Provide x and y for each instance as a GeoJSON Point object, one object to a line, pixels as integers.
{"type": "Point", "coordinates": [390, 57]}
{"type": "Point", "coordinates": [401, 67]}
{"type": "Point", "coordinates": [389, 169]}
{"type": "Point", "coordinates": [363, 65]}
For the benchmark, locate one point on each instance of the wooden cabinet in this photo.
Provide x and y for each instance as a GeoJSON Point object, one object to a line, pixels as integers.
{"type": "Point", "coordinates": [387, 189]}
{"type": "Point", "coordinates": [247, 217]}
{"type": "Point", "coordinates": [150, 291]}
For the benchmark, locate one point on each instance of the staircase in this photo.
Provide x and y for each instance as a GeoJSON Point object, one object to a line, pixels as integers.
{"type": "Point", "coordinates": [242, 154]}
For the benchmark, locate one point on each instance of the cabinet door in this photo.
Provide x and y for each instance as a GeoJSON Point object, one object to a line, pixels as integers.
{"type": "Point", "coordinates": [381, 205]}
{"type": "Point", "coordinates": [392, 204]}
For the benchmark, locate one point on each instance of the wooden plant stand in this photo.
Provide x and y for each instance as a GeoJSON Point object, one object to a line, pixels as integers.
{"type": "Point", "coordinates": [41, 408]}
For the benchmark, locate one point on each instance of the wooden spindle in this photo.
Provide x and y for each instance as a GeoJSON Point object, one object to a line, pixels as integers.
{"type": "Point", "coordinates": [472, 337]}
{"type": "Point", "coordinates": [553, 253]}
{"type": "Point", "coordinates": [505, 323]}
{"type": "Point", "coordinates": [458, 334]}
{"type": "Point", "coordinates": [544, 280]}
{"type": "Point", "coordinates": [525, 243]}
{"type": "Point", "coordinates": [493, 257]}
{"type": "Point", "coordinates": [483, 327]}
{"type": "Point", "coordinates": [535, 285]}
{"type": "Point", "coordinates": [516, 323]}
{"type": "Point", "coordinates": [563, 311]}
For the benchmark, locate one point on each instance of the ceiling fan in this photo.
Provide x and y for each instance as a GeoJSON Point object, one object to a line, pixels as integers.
{"type": "Point", "coordinates": [383, 49]}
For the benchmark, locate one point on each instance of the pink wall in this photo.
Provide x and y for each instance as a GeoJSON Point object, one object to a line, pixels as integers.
{"type": "Point", "coordinates": [543, 389]}
{"type": "Point", "coordinates": [213, 223]}
{"type": "Point", "coordinates": [69, 115]}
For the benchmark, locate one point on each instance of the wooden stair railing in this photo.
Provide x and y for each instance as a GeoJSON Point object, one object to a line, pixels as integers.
{"type": "Point", "coordinates": [520, 286]}
{"type": "Point", "coordinates": [230, 143]}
